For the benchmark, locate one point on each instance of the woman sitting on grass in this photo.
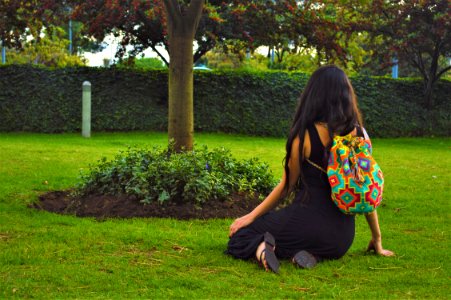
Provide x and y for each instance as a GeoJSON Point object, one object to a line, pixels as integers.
{"type": "Point", "coordinates": [311, 228]}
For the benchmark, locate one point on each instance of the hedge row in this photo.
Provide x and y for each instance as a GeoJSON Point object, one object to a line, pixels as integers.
{"type": "Point", "coordinates": [43, 100]}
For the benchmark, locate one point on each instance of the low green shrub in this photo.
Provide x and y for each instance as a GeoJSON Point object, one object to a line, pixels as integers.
{"type": "Point", "coordinates": [157, 174]}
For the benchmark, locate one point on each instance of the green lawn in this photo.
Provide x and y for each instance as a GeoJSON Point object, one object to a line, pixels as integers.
{"type": "Point", "coordinates": [44, 255]}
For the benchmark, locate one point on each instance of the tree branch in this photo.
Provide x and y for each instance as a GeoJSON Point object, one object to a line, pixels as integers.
{"type": "Point", "coordinates": [204, 48]}
{"type": "Point", "coordinates": [434, 62]}
{"type": "Point", "coordinates": [416, 64]}
{"type": "Point", "coordinates": [172, 10]}
{"type": "Point", "coordinates": [194, 13]}
{"type": "Point", "coordinates": [160, 55]}
{"type": "Point", "coordinates": [198, 54]}
{"type": "Point", "coordinates": [442, 72]}
{"type": "Point", "coordinates": [421, 63]}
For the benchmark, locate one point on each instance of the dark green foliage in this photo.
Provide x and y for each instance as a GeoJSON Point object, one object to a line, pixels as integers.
{"type": "Point", "coordinates": [49, 100]}
{"type": "Point", "coordinates": [247, 103]}
{"type": "Point", "coordinates": [394, 108]}
{"type": "Point", "coordinates": [157, 174]}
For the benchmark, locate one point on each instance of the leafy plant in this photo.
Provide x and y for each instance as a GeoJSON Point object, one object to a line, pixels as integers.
{"type": "Point", "coordinates": [162, 175]}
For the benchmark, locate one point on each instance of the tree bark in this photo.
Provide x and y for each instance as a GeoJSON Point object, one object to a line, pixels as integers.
{"type": "Point", "coordinates": [181, 116]}
{"type": "Point", "coordinates": [182, 26]}
{"type": "Point", "coordinates": [428, 100]}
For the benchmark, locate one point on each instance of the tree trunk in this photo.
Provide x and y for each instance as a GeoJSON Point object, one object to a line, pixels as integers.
{"type": "Point", "coordinates": [428, 100]}
{"type": "Point", "coordinates": [182, 24]}
{"type": "Point", "coordinates": [181, 118]}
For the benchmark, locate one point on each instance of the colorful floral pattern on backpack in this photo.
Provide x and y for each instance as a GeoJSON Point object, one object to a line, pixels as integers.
{"type": "Point", "coordinates": [355, 177]}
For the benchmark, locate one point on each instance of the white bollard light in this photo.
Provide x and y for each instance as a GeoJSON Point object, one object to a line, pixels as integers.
{"type": "Point", "coordinates": [86, 110]}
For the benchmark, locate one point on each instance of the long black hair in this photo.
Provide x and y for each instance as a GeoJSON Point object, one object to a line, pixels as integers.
{"type": "Point", "coordinates": [327, 98]}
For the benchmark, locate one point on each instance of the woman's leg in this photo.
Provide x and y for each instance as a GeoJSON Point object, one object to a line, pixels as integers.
{"type": "Point", "coordinates": [265, 253]}
{"type": "Point", "coordinates": [260, 255]}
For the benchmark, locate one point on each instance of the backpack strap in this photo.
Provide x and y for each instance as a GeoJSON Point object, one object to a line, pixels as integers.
{"type": "Point", "coordinates": [365, 134]}
{"type": "Point", "coordinates": [316, 166]}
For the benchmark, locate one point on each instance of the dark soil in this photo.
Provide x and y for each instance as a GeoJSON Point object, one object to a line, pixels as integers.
{"type": "Point", "coordinates": [107, 206]}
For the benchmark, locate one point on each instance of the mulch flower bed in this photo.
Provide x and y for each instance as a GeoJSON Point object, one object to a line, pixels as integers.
{"type": "Point", "coordinates": [125, 206]}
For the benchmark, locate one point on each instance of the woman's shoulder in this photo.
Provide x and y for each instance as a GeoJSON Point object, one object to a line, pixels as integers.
{"type": "Point", "coordinates": [296, 144]}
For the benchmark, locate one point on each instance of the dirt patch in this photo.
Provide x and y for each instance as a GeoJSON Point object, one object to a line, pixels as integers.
{"type": "Point", "coordinates": [107, 206]}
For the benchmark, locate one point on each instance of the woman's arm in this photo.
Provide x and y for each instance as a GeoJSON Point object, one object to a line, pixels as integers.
{"type": "Point", "coordinates": [373, 221]}
{"type": "Point", "coordinates": [376, 238]}
{"type": "Point", "coordinates": [279, 192]}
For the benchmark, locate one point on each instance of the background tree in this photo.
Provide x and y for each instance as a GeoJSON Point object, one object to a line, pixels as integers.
{"type": "Point", "coordinates": [13, 22]}
{"type": "Point", "coordinates": [19, 18]}
{"type": "Point", "coordinates": [143, 24]}
{"type": "Point", "coordinates": [291, 26]}
{"type": "Point", "coordinates": [416, 32]}
{"type": "Point", "coordinates": [50, 51]}
{"type": "Point", "coordinates": [37, 32]}
{"type": "Point", "coordinates": [285, 25]}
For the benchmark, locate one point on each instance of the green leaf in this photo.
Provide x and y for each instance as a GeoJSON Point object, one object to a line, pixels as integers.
{"type": "Point", "coordinates": [164, 196]}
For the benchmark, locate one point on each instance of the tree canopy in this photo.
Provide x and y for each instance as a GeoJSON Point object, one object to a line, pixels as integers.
{"type": "Point", "coordinates": [21, 17]}
{"type": "Point", "coordinates": [417, 32]}
{"type": "Point", "coordinates": [286, 25]}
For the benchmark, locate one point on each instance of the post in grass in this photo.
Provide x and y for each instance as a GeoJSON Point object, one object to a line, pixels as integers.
{"type": "Point", "coordinates": [86, 110]}
{"type": "Point", "coordinates": [3, 53]}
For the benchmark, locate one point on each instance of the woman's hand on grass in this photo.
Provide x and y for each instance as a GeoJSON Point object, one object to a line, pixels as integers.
{"type": "Point", "coordinates": [376, 246]}
{"type": "Point", "coordinates": [240, 223]}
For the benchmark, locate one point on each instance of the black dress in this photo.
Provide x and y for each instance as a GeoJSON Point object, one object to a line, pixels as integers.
{"type": "Point", "coordinates": [314, 224]}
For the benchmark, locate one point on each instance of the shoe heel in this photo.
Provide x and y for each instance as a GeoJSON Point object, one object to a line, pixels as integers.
{"type": "Point", "coordinates": [305, 260]}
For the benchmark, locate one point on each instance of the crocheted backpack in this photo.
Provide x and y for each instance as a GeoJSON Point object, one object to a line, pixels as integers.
{"type": "Point", "coordinates": [355, 177]}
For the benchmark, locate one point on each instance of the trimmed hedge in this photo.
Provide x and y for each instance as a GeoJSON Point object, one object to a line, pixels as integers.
{"type": "Point", "coordinates": [49, 100]}
{"type": "Point", "coordinates": [44, 100]}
